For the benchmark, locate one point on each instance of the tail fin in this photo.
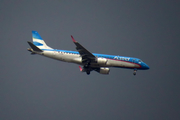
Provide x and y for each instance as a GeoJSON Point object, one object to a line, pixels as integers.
{"type": "Point", "coordinates": [38, 41]}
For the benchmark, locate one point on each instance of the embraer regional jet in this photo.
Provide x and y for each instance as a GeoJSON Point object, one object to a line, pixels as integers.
{"type": "Point", "coordinates": [90, 61]}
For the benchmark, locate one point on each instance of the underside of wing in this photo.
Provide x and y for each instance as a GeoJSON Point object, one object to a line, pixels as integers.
{"type": "Point", "coordinates": [85, 54]}
{"type": "Point", "coordinates": [88, 58]}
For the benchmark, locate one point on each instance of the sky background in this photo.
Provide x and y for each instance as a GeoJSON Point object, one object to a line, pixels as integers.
{"type": "Point", "coordinates": [33, 87]}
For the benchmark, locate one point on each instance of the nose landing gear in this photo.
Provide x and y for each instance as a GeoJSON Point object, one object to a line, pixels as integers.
{"type": "Point", "coordinates": [135, 70]}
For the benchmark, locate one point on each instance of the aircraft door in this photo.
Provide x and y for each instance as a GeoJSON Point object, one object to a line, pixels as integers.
{"type": "Point", "coordinates": [134, 61]}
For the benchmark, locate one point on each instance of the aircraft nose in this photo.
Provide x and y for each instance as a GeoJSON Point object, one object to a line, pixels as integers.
{"type": "Point", "coordinates": [146, 66]}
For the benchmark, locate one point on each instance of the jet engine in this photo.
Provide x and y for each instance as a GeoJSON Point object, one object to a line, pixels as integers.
{"type": "Point", "coordinates": [102, 61]}
{"type": "Point", "coordinates": [104, 70]}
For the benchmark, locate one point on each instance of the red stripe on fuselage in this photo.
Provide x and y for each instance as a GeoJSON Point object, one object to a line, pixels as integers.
{"type": "Point", "coordinates": [126, 62]}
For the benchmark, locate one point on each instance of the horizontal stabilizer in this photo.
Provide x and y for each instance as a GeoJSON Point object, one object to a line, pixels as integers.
{"type": "Point", "coordinates": [34, 47]}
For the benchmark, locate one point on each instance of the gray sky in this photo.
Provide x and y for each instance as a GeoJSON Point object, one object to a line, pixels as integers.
{"type": "Point", "coordinates": [35, 87]}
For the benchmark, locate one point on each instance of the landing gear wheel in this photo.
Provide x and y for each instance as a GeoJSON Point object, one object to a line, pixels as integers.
{"type": "Point", "coordinates": [134, 73]}
{"type": "Point", "coordinates": [88, 72]}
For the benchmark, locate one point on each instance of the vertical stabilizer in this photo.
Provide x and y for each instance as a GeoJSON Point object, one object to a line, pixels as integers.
{"type": "Point", "coordinates": [38, 41]}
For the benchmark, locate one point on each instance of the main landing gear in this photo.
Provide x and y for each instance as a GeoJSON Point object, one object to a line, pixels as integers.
{"type": "Point", "coordinates": [86, 66]}
{"type": "Point", "coordinates": [88, 72]}
{"type": "Point", "coordinates": [135, 70]}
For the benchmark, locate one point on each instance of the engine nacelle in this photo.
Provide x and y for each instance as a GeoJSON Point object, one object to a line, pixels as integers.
{"type": "Point", "coordinates": [104, 70]}
{"type": "Point", "coordinates": [102, 61]}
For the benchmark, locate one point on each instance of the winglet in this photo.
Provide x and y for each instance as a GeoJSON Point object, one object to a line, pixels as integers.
{"type": "Point", "coordinates": [73, 39]}
{"type": "Point", "coordinates": [80, 68]}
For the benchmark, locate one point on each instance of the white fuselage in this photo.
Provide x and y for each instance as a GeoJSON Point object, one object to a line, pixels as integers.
{"type": "Point", "coordinates": [76, 58]}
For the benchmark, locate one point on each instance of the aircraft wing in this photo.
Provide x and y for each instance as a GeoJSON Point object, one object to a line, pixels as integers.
{"type": "Point", "coordinates": [85, 54]}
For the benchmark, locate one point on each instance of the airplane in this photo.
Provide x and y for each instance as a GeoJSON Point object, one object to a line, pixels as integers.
{"type": "Point", "coordinates": [90, 61]}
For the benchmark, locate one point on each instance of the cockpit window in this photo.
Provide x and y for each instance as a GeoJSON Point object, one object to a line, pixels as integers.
{"type": "Point", "coordinates": [140, 61]}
